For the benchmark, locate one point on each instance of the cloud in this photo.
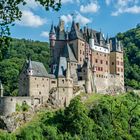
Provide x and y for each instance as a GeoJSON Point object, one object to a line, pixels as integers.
{"type": "Point", "coordinates": [133, 10]}
{"type": "Point", "coordinates": [82, 20]}
{"type": "Point", "coordinates": [67, 1]}
{"type": "Point", "coordinates": [45, 34]}
{"type": "Point", "coordinates": [66, 18]}
{"type": "Point", "coordinates": [107, 2]}
{"type": "Point", "coordinates": [90, 8]}
{"type": "Point", "coordinates": [125, 6]}
{"type": "Point", "coordinates": [30, 19]}
{"type": "Point", "coordinates": [32, 4]}
{"type": "Point", "coordinates": [78, 18]}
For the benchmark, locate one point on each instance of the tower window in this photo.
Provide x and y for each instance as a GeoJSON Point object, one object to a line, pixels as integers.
{"type": "Point", "coordinates": [96, 60]}
{"type": "Point", "coordinates": [106, 62]}
{"type": "Point", "coordinates": [101, 61]}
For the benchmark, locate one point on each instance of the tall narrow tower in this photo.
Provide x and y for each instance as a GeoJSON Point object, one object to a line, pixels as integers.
{"type": "Point", "coordinates": [52, 38]}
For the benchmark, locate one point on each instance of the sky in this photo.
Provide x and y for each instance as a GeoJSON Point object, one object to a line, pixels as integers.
{"type": "Point", "coordinates": [107, 16]}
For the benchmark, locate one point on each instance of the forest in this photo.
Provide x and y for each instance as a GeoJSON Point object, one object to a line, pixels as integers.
{"type": "Point", "coordinates": [103, 118]}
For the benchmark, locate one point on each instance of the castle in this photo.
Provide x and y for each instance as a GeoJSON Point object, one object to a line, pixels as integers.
{"type": "Point", "coordinates": [82, 60]}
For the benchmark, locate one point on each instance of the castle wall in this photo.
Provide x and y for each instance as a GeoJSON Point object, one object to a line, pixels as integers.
{"type": "Point", "coordinates": [101, 62]}
{"type": "Point", "coordinates": [109, 83]}
{"type": "Point", "coordinates": [52, 83]}
{"type": "Point", "coordinates": [39, 87]}
{"type": "Point", "coordinates": [8, 104]}
{"type": "Point", "coordinates": [73, 70]}
{"type": "Point", "coordinates": [65, 90]}
{"type": "Point", "coordinates": [81, 51]}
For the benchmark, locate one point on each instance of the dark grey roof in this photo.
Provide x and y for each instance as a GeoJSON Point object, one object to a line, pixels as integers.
{"type": "Point", "coordinates": [52, 29]}
{"type": "Point", "coordinates": [75, 33]}
{"type": "Point", "coordinates": [116, 45]}
{"type": "Point", "coordinates": [62, 66]}
{"type": "Point", "coordinates": [38, 68]}
{"type": "Point", "coordinates": [67, 52]}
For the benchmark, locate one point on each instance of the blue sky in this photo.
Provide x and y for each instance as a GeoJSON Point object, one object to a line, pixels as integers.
{"type": "Point", "coordinates": [109, 16]}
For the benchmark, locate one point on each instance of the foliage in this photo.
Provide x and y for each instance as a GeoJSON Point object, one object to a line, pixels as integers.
{"type": "Point", "coordinates": [131, 42]}
{"type": "Point", "coordinates": [23, 107]}
{"type": "Point", "coordinates": [11, 66]}
{"type": "Point", "coordinates": [10, 12]}
{"type": "Point", "coordinates": [109, 117]}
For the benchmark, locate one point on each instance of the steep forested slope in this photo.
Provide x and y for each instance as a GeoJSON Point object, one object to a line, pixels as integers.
{"type": "Point", "coordinates": [106, 118]}
{"type": "Point", "coordinates": [15, 57]}
{"type": "Point", "coordinates": [131, 42]}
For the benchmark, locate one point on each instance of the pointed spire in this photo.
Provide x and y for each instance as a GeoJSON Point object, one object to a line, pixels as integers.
{"type": "Point", "coordinates": [107, 39]}
{"type": "Point", "coordinates": [52, 29]}
{"type": "Point", "coordinates": [30, 67]}
{"type": "Point", "coordinates": [30, 64]}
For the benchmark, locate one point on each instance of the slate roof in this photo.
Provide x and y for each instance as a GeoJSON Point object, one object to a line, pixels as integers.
{"type": "Point", "coordinates": [67, 52]}
{"type": "Point", "coordinates": [61, 68]}
{"type": "Point", "coordinates": [38, 68]}
{"type": "Point", "coordinates": [115, 45]}
{"type": "Point", "coordinates": [78, 34]}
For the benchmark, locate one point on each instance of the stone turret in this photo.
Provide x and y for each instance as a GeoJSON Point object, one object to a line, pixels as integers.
{"type": "Point", "coordinates": [1, 89]}
{"type": "Point", "coordinates": [88, 82]}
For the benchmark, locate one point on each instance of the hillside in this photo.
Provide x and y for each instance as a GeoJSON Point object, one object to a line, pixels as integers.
{"type": "Point", "coordinates": [131, 42]}
{"type": "Point", "coordinates": [89, 117]}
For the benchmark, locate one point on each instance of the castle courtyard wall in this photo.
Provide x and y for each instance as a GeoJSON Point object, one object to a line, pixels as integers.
{"type": "Point", "coordinates": [8, 104]}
